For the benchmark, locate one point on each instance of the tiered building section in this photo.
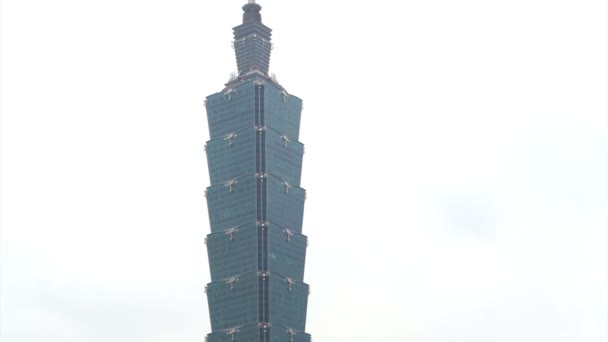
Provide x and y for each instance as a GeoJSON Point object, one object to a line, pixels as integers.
{"type": "Point", "coordinates": [256, 248]}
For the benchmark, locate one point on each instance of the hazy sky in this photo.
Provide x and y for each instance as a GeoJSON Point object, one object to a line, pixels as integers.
{"type": "Point", "coordinates": [456, 166]}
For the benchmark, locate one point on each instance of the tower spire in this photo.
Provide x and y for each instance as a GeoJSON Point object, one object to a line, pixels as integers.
{"type": "Point", "coordinates": [252, 41]}
{"type": "Point", "coordinates": [252, 12]}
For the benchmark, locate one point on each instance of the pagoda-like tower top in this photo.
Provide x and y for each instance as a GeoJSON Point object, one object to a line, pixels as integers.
{"type": "Point", "coordinates": [252, 41]}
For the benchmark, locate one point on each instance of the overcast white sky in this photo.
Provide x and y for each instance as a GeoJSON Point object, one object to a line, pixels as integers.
{"type": "Point", "coordinates": [456, 166]}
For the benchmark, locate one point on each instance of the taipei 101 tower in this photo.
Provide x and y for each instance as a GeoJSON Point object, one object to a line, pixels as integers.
{"type": "Point", "coordinates": [256, 248]}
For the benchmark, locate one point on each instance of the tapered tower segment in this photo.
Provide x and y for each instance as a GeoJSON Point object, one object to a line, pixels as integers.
{"type": "Point", "coordinates": [256, 247]}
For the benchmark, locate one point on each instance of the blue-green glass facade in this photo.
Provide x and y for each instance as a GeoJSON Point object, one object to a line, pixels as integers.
{"type": "Point", "coordinates": [256, 247]}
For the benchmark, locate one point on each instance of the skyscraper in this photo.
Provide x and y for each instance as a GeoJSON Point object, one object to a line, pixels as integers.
{"type": "Point", "coordinates": [256, 248]}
